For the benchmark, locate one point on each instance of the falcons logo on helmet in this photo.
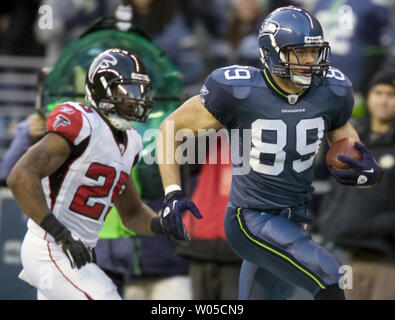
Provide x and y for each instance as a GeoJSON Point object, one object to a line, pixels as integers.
{"type": "Point", "coordinates": [107, 61]}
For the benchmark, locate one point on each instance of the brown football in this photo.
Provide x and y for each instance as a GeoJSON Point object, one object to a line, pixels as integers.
{"type": "Point", "coordinates": [343, 147]}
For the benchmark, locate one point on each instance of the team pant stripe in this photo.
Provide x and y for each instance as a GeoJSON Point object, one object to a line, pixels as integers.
{"type": "Point", "coordinates": [61, 272]}
{"type": "Point", "coordinates": [275, 251]}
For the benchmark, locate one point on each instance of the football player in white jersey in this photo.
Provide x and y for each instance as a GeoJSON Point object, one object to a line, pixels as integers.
{"type": "Point", "coordinates": [68, 182]}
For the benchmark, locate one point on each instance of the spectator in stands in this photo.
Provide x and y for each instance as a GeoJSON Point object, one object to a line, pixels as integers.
{"type": "Point", "coordinates": [211, 13]}
{"type": "Point", "coordinates": [26, 134]}
{"type": "Point", "coordinates": [359, 33]}
{"type": "Point", "coordinates": [358, 49]}
{"type": "Point", "coordinates": [69, 20]}
{"type": "Point", "coordinates": [164, 22]}
{"type": "Point", "coordinates": [16, 39]}
{"type": "Point", "coordinates": [362, 221]}
{"type": "Point", "coordinates": [16, 28]}
{"type": "Point", "coordinates": [239, 44]}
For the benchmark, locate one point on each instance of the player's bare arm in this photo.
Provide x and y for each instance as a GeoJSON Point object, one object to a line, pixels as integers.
{"type": "Point", "coordinates": [346, 131]}
{"type": "Point", "coordinates": [40, 161]}
{"type": "Point", "coordinates": [190, 115]}
{"type": "Point", "coordinates": [135, 214]}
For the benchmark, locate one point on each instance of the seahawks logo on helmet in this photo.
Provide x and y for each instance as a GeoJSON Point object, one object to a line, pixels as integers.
{"type": "Point", "coordinates": [204, 90]}
{"type": "Point", "coordinates": [269, 27]}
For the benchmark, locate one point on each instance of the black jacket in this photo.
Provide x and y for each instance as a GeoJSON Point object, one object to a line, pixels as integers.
{"type": "Point", "coordinates": [359, 219]}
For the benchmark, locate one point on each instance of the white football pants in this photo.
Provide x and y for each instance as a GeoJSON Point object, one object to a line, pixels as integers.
{"type": "Point", "coordinates": [47, 268]}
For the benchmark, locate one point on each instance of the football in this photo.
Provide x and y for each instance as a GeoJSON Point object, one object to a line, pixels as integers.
{"type": "Point", "coordinates": [343, 147]}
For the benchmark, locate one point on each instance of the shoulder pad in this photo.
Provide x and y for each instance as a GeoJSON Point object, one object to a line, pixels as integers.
{"type": "Point", "coordinates": [69, 121]}
{"type": "Point", "coordinates": [335, 77]}
{"type": "Point", "coordinates": [135, 138]}
{"type": "Point", "coordinates": [237, 75]}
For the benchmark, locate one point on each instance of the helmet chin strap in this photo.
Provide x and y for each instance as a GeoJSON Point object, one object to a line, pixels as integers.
{"type": "Point", "coordinates": [119, 123]}
{"type": "Point", "coordinates": [296, 79]}
{"type": "Point", "coordinates": [299, 80]}
{"type": "Point", "coordinates": [88, 96]}
{"type": "Point", "coordinates": [262, 58]}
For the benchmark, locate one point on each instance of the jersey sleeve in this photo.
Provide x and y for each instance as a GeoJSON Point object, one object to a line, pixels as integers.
{"type": "Point", "coordinates": [344, 110]}
{"type": "Point", "coordinates": [219, 101]}
{"type": "Point", "coordinates": [340, 98]}
{"type": "Point", "coordinates": [70, 123]}
{"type": "Point", "coordinates": [139, 151]}
{"type": "Point", "coordinates": [134, 136]}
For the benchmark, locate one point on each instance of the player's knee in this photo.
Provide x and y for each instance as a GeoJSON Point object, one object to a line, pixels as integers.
{"type": "Point", "coordinates": [332, 292]}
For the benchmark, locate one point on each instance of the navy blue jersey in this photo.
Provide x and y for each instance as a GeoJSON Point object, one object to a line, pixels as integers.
{"type": "Point", "coordinates": [285, 131]}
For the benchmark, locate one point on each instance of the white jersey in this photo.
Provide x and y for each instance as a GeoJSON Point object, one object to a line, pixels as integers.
{"type": "Point", "coordinates": [83, 190]}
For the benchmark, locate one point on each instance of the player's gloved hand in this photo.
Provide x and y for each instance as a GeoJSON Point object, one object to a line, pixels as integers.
{"type": "Point", "coordinates": [176, 203]}
{"type": "Point", "coordinates": [76, 251]}
{"type": "Point", "coordinates": [365, 172]}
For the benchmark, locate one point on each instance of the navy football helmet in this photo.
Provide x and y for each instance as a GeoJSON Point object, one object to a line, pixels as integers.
{"type": "Point", "coordinates": [118, 86]}
{"type": "Point", "coordinates": [286, 31]}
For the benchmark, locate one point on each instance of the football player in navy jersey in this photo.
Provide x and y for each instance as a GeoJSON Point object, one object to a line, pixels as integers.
{"type": "Point", "coordinates": [287, 108]}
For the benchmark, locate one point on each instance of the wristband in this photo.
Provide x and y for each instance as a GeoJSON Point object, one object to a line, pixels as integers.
{"type": "Point", "coordinates": [170, 195]}
{"type": "Point", "coordinates": [52, 225]}
{"type": "Point", "coordinates": [171, 188]}
{"type": "Point", "coordinates": [156, 226]}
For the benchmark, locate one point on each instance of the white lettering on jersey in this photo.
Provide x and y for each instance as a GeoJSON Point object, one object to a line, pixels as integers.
{"type": "Point", "coordinates": [67, 110]}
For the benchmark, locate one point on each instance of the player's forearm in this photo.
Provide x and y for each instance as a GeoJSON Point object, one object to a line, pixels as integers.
{"type": "Point", "coordinates": [170, 174]}
{"type": "Point", "coordinates": [168, 166]}
{"type": "Point", "coordinates": [140, 220]}
{"type": "Point", "coordinates": [186, 120]}
{"type": "Point", "coordinates": [27, 190]}
{"type": "Point", "coordinates": [40, 161]}
{"type": "Point", "coordinates": [346, 131]}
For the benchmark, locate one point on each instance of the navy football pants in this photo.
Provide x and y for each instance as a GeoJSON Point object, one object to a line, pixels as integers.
{"type": "Point", "coordinates": [278, 255]}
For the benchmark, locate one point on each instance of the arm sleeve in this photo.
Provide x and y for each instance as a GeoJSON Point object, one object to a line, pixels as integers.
{"type": "Point", "coordinates": [70, 123]}
{"type": "Point", "coordinates": [219, 101]}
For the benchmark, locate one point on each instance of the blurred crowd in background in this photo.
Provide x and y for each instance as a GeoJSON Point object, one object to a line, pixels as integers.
{"type": "Point", "coordinates": [199, 36]}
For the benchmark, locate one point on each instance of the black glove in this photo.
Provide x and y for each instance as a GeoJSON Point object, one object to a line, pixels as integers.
{"type": "Point", "coordinates": [365, 172]}
{"type": "Point", "coordinates": [76, 251]}
{"type": "Point", "coordinates": [176, 203]}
